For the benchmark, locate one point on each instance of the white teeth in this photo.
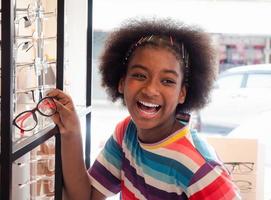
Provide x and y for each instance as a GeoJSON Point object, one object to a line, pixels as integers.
{"type": "Point", "coordinates": [149, 104]}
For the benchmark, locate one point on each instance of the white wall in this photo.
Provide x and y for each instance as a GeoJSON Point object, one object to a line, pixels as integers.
{"type": "Point", "coordinates": [244, 17]}
{"type": "Point", "coordinates": [75, 50]}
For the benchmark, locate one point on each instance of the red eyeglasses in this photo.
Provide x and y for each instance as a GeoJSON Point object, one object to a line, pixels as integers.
{"type": "Point", "coordinates": [28, 120]}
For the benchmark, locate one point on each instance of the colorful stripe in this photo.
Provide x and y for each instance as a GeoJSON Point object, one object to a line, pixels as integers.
{"type": "Point", "coordinates": [203, 147]}
{"type": "Point", "coordinates": [151, 179]}
{"type": "Point", "coordinates": [113, 153]}
{"type": "Point", "coordinates": [169, 140]}
{"type": "Point", "coordinates": [185, 147]}
{"type": "Point", "coordinates": [101, 174]}
{"type": "Point", "coordinates": [171, 169]}
{"type": "Point", "coordinates": [219, 188]}
{"type": "Point", "coordinates": [154, 164]}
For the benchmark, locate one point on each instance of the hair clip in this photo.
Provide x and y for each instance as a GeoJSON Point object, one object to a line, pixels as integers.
{"type": "Point", "coordinates": [162, 40]}
{"type": "Point", "coordinates": [171, 40]}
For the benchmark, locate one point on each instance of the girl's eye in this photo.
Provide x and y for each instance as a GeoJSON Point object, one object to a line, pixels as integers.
{"type": "Point", "coordinates": [138, 76]}
{"type": "Point", "coordinates": [168, 82]}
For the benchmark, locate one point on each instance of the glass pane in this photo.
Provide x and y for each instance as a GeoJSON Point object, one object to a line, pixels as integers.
{"type": "Point", "coordinates": [35, 58]}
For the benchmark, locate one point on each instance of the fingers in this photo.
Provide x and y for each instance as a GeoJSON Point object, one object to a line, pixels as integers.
{"type": "Point", "coordinates": [62, 113]}
{"type": "Point", "coordinates": [65, 117]}
{"type": "Point", "coordinates": [60, 106]}
{"type": "Point", "coordinates": [58, 94]}
{"type": "Point", "coordinates": [62, 98]}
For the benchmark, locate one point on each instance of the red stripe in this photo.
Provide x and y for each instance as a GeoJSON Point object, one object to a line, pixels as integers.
{"type": "Point", "coordinates": [184, 146]}
{"type": "Point", "coordinates": [121, 128]}
{"type": "Point", "coordinates": [126, 194]}
{"type": "Point", "coordinates": [220, 188]}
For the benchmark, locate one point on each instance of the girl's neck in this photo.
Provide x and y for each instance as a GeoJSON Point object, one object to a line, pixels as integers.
{"type": "Point", "coordinates": [158, 133]}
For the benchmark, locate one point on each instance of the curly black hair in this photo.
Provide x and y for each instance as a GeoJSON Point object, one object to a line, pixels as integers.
{"type": "Point", "coordinates": [202, 57]}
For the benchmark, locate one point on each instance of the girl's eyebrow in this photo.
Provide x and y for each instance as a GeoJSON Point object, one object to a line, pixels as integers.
{"type": "Point", "coordinates": [167, 71]}
{"type": "Point", "coordinates": [138, 66]}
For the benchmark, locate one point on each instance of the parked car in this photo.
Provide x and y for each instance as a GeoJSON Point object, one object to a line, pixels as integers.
{"type": "Point", "coordinates": [239, 93]}
{"type": "Point", "coordinates": [258, 127]}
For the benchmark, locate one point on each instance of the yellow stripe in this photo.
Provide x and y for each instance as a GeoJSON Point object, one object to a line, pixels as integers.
{"type": "Point", "coordinates": [171, 139]}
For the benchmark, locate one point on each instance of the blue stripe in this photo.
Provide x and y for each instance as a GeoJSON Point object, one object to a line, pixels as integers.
{"type": "Point", "coordinates": [113, 153]}
{"type": "Point", "coordinates": [159, 167]}
{"type": "Point", "coordinates": [203, 147]}
{"type": "Point", "coordinates": [149, 191]}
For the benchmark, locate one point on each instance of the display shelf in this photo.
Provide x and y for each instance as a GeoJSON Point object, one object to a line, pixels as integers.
{"type": "Point", "coordinates": [26, 47]}
{"type": "Point", "coordinates": [20, 148]}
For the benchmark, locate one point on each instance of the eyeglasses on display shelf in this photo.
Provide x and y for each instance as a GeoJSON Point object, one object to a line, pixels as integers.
{"type": "Point", "coordinates": [47, 160]}
{"type": "Point", "coordinates": [30, 39]}
{"type": "Point", "coordinates": [244, 185]}
{"type": "Point", "coordinates": [39, 186]}
{"type": "Point", "coordinates": [31, 159]}
{"type": "Point", "coordinates": [48, 62]}
{"type": "Point", "coordinates": [44, 184]}
{"type": "Point", "coordinates": [26, 97]}
{"type": "Point", "coordinates": [27, 48]}
{"type": "Point", "coordinates": [32, 94]}
{"type": "Point", "coordinates": [35, 173]}
{"type": "Point", "coordinates": [29, 91]}
{"type": "Point", "coordinates": [28, 15]}
{"type": "Point", "coordinates": [239, 167]}
{"type": "Point", "coordinates": [33, 32]}
{"type": "Point", "coordinates": [45, 68]}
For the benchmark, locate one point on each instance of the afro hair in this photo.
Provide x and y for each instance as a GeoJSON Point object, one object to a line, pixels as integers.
{"type": "Point", "coordinates": [202, 57]}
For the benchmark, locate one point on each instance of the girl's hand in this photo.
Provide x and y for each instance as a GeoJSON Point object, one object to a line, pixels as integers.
{"type": "Point", "coordinates": [65, 118]}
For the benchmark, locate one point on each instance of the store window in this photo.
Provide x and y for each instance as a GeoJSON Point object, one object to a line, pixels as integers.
{"type": "Point", "coordinates": [241, 39]}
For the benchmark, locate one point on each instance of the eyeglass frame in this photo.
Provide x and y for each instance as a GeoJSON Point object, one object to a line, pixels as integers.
{"type": "Point", "coordinates": [33, 111]}
{"type": "Point", "coordinates": [236, 164]}
{"type": "Point", "coordinates": [245, 185]}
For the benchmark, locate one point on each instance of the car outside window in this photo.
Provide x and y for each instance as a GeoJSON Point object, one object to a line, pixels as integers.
{"type": "Point", "coordinates": [259, 81]}
{"type": "Point", "coordinates": [230, 81]}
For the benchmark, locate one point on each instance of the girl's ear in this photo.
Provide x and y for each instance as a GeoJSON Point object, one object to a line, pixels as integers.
{"type": "Point", "coordinates": [121, 86]}
{"type": "Point", "coordinates": [182, 95]}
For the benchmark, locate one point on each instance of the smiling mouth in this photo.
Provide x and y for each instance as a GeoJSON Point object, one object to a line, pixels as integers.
{"type": "Point", "coordinates": [148, 108]}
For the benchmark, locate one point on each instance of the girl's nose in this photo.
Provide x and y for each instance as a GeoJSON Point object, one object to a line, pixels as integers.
{"type": "Point", "coordinates": [151, 89]}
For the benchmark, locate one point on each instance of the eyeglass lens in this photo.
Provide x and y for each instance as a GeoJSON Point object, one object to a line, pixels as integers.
{"type": "Point", "coordinates": [26, 121]}
{"type": "Point", "coordinates": [47, 107]}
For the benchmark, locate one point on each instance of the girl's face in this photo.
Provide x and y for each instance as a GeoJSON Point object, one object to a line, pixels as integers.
{"type": "Point", "coordinates": [152, 88]}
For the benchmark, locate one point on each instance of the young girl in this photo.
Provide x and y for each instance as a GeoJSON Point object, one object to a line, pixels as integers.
{"type": "Point", "coordinates": [162, 70]}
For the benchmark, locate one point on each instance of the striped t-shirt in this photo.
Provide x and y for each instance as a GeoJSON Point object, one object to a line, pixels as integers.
{"type": "Point", "coordinates": [182, 166]}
